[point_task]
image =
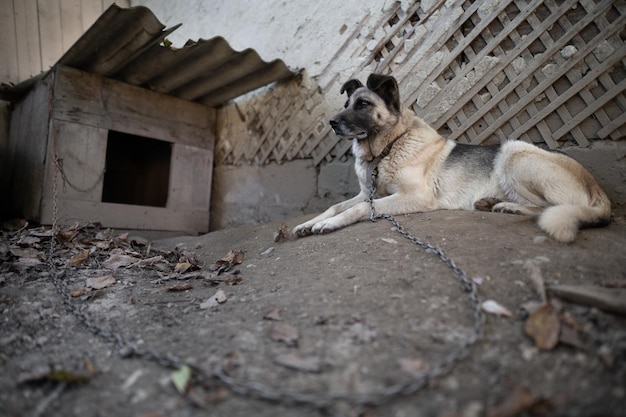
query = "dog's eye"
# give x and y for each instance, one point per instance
(345, 106)
(360, 104)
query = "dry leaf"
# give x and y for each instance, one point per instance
(98, 283)
(80, 292)
(117, 260)
(179, 287)
(293, 361)
(232, 258)
(281, 234)
(79, 258)
(286, 333)
(218, 298)
(182, 267)
(543, 327)
(493, 307)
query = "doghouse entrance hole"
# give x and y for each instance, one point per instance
(137, 170)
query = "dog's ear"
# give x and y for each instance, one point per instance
(350, 87)
(386, 87)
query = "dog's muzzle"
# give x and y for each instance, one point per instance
(341, 130)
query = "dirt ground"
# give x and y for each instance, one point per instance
(353, 312)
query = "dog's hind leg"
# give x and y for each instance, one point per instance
(515, 208)
(553, 187)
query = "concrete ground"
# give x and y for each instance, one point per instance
(354, 312)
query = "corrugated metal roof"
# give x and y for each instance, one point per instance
(128, 45)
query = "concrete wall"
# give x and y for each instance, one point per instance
(251, 194)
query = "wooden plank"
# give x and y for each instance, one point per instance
(51, 32)
(28, 43)
(504, 62)
(191, 172)
(460, 47)
(614, 125)
(553, 77)
(86, 98)
(126, 216)
(591, 75)
(27, 151)
(591, 108)
(82, 150)
(9, 70)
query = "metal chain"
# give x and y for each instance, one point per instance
(58, 162)
(257, 390)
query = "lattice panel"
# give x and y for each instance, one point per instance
(550, 72)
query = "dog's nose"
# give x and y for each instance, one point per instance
(333, 123)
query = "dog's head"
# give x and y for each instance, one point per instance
(370, 110)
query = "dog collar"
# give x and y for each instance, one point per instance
(372, 168)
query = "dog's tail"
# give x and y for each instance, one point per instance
(563, 221)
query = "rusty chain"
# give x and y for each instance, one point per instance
(252, 389)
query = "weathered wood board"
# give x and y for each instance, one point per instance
(67, 118)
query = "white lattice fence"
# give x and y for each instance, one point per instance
(479, 72)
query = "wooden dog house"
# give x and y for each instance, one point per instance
(122, 129)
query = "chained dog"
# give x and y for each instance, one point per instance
(418, 170)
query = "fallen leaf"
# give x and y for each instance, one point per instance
(179, 287)
(389, 240)
(79, 258)
(181, 378)
(182, 267)
(273, 314)
(232, 258)
(286, 333)
(413, 366)
(299, 363)
(155, 261)
(218, 298)
(281, 234)
(543, 327)
(117, 260)
(80, 292)
(98, 283)
(493, 307)
(25, 253)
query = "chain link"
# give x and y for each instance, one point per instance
(252, 389)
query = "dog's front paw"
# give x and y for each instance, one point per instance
(325, 226)
(302, 230)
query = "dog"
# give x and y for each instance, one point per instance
(421, 171)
